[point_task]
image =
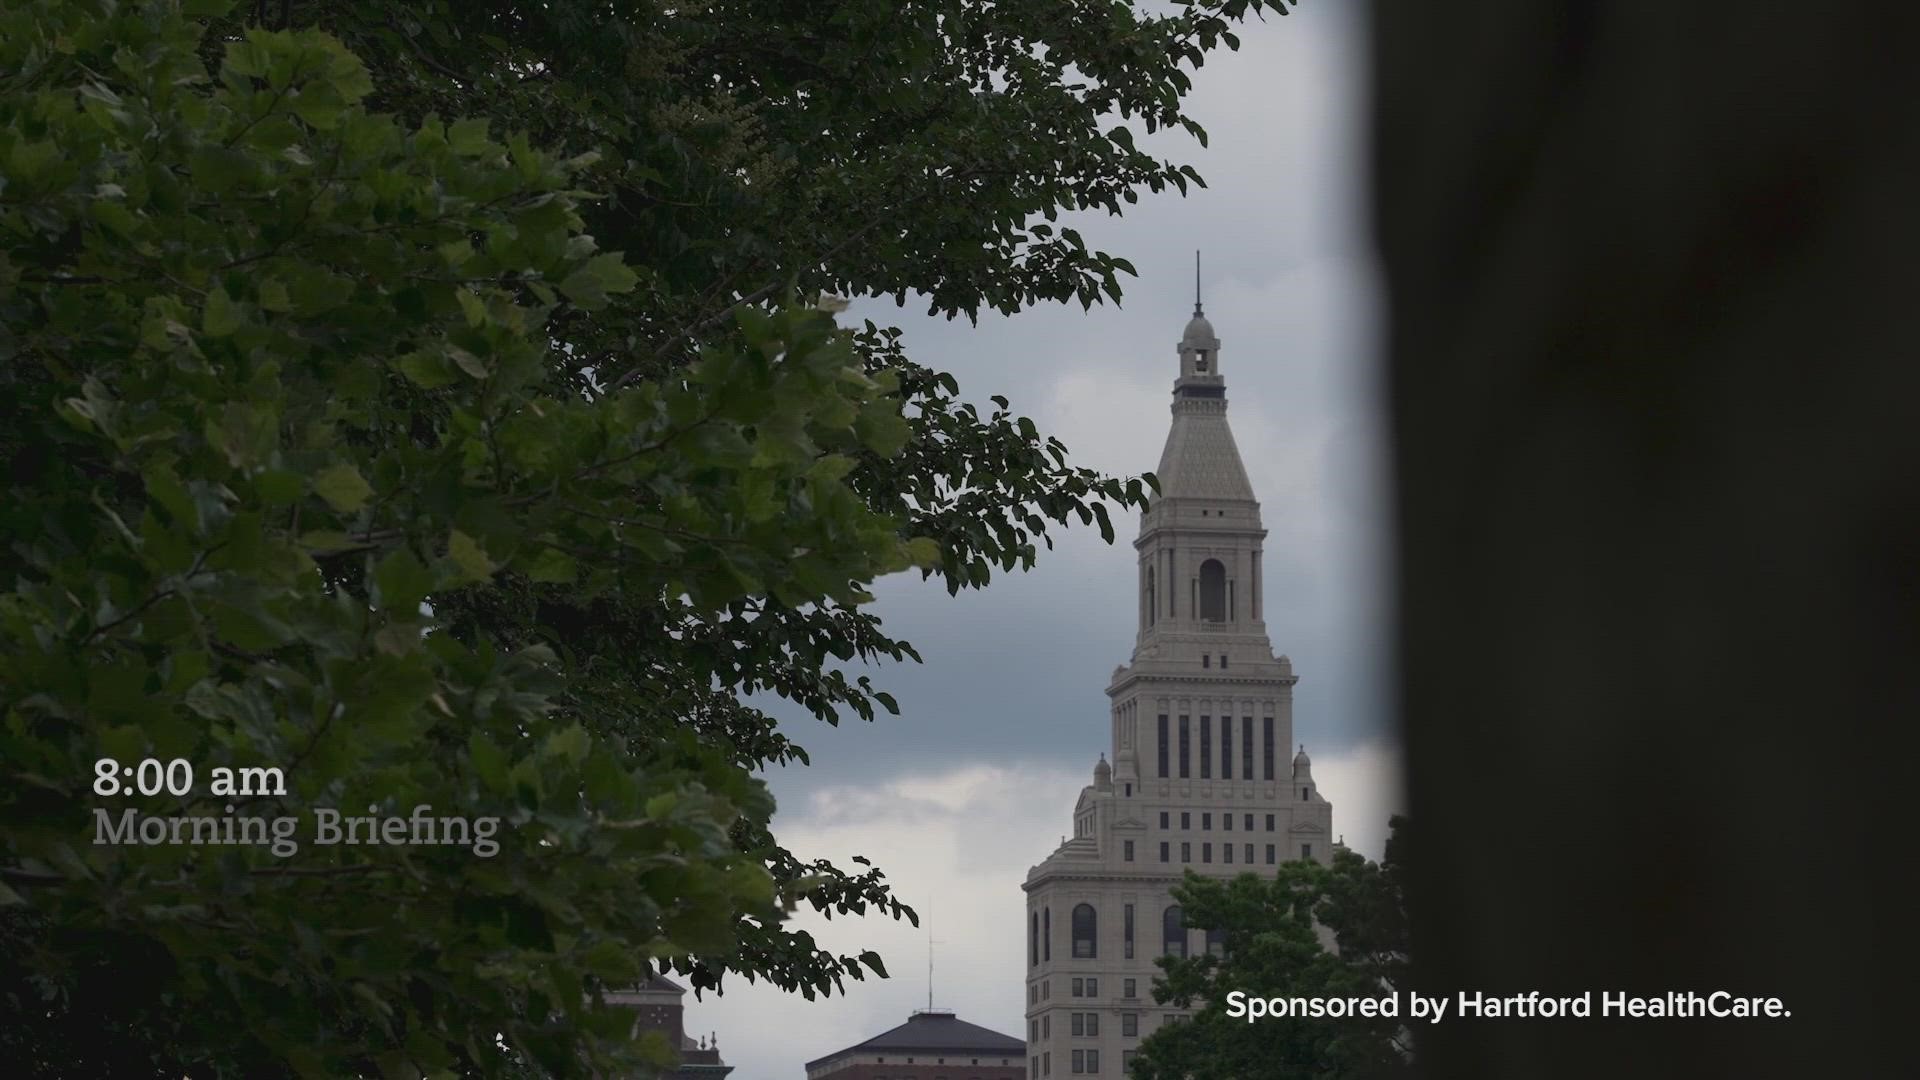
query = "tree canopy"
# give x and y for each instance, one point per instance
(1274, 934)
(428, 399)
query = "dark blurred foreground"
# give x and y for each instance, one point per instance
(1655, 376)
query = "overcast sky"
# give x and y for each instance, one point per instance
(975, 782)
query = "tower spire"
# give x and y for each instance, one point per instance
(1196, 281)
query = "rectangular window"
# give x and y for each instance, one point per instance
(1269, 822)
(1093, 1025)
(1226, 852)
(1077, 984)
(1206, 748)
(1184, 748)
(1226, 822)
(1186, 820)
(1046, 989)
(1163, 747)
(1046, 1026)
(1036, 1065)
(1127, 986)
(1033, 1032)
(1163, 819)
(1079, 1061)
(1306, 851)
(1226, 742)
(1130, 1024)
(1246, 748)
(1127, 851)
(1249, 822)
(1126, 1060)
(1127, 920)
(1093, 987)
(1163, 851)
(1093, 1061)
(1206, 852)
(1079, 1026)
(1249, 854)
(1046, 1063)
(1266, 759)
(1186, 852)
(1269, 854)
(1206, 821)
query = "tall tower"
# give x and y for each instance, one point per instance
(1201, 725)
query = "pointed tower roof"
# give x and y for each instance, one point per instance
(1200, 459)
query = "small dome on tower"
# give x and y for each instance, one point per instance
(1301, 760)
(1103, 774)
(1198, 332)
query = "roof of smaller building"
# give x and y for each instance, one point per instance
(935, 1032)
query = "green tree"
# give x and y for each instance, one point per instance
(1272, 933)
(485, 464)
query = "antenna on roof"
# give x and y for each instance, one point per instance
(1196, 281)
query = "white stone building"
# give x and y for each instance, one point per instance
(1201, 778)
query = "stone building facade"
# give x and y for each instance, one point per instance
(1200, 777)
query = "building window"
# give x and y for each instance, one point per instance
(1249, 822)
(1083, 932)
(1186, 852)
(1206, 821)
(1163, 819)
(1129, 790)
(1269, 822)
(1130, 1025)
(1046, 989)
(1079, 1061)
(1046, 934)
(1033, 1032)
(1303, 794)
(1226, 822)
(1186, 820)
(1163, 746)
(1246, 748)
(1206, 661)
(1269, 854)
(1216, 943)
(1093, 987)
(1184, 773)
(1126, 1060)
(1226, 852)
(1213, 591)
(1127, 986)
(1079, 1026)
(1093, 1061)
(1206, 853)
(1223, 660)
(1163, 850)
(1206, 748)
(1046, 1026)
(1093, 1025)
(1226, 741)
(1033, 947)
(1266, 730)
(1249, 854)
(1306, 851)
(1127, 920)
(1046, 1063)
(1075, 989)
(1126, 849)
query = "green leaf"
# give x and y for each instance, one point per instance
(590, 285)
(222, 316)
(553, 566)
(404, 582)
(469, 557)
(342, 486)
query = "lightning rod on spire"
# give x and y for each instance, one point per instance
(1196, 281)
